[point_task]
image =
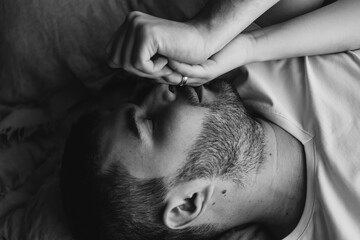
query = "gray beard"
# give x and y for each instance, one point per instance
(230, 145)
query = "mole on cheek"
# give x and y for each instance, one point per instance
(223, 191)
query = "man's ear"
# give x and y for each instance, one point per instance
(186, 203)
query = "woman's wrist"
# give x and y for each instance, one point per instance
(255, 52)
(239, 52)
(244, 49)
(208, 32)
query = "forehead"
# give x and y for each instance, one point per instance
(166, 154)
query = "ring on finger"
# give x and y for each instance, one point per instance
(183, 81)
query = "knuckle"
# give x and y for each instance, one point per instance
(134, 19)
(207, 74)
(165, 79)
(138, 64)
(171, 79)
(133, 15)
(128, 18)
(144, 29)
(175, 67)
(134, 24)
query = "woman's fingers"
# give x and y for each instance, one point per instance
(197, 74)
(115, 46)
(204, 70)
(176, 78)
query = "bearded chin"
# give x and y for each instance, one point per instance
(230, 145)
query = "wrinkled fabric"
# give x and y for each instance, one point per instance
(50, 47)
(52, 59)
(47, 45)
(30, 199)
(316, 99)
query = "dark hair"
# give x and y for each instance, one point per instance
(112, 204)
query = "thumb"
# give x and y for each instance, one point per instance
(159, 62)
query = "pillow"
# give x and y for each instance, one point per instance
(30, 200)
(48, 46)
(52, 57)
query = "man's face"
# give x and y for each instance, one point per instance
(153, 134)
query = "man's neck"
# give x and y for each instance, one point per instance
(274, 196)
(286, 175)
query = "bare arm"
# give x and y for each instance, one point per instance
(330, 29)
(144, 43)
(220, 21)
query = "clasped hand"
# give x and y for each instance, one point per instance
(166, 50)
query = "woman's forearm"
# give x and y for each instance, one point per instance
(330, 29)
(333, 28)
(220, 21)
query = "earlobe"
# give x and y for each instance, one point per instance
(184, 207)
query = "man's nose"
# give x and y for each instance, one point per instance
(161, 95)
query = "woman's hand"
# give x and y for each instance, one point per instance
(144, 43)
(237, 53)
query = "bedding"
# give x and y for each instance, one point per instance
(31, 206)
(52, 67)
(52, 58)
(30, 160)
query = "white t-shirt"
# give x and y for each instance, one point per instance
(317, 100)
